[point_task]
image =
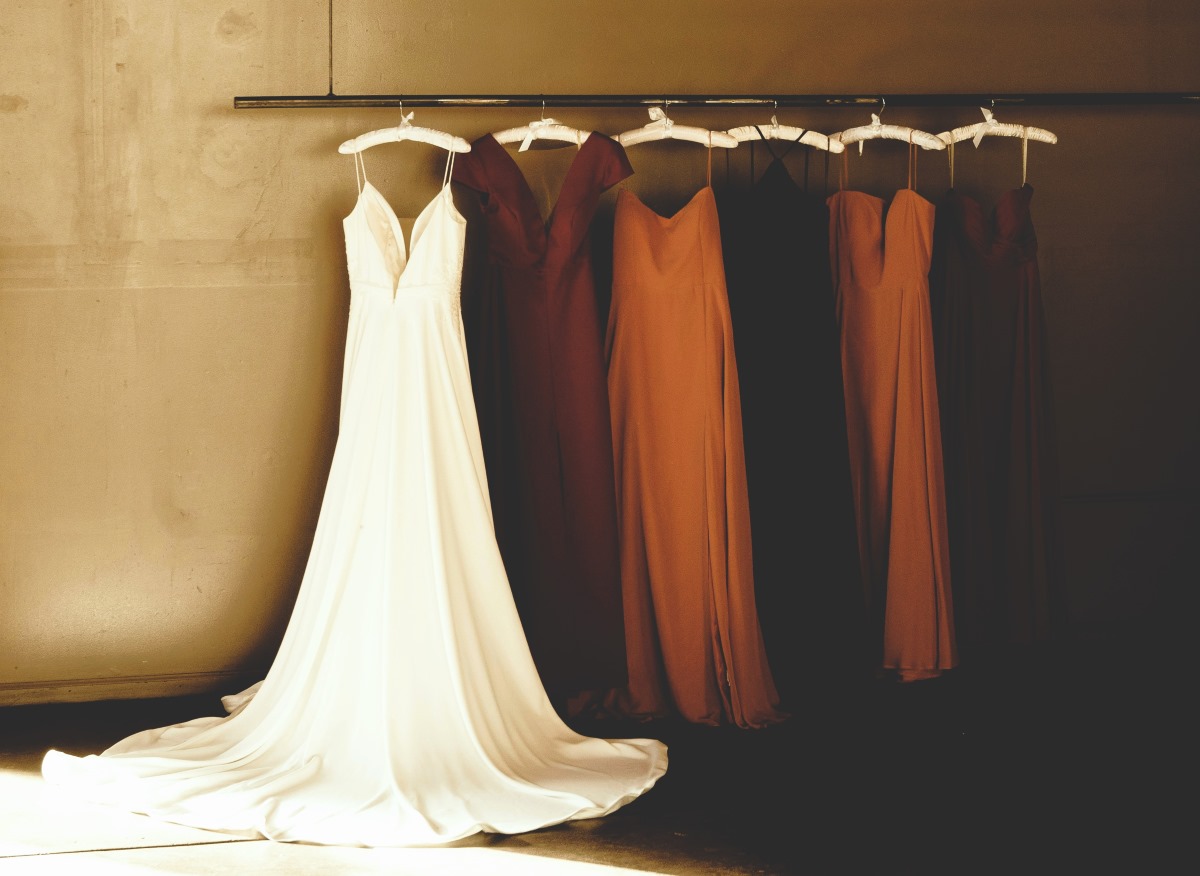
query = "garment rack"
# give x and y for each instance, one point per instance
(546, 101)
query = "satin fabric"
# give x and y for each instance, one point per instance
(881, 275)
(997, 425)
(695, 647)
(534, 338)
(403, 707)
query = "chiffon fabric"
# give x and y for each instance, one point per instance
(403, 707)
(535, 342)
(997, 428)
(809, 590)
(881, 274)
(695, 648)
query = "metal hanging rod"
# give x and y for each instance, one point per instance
(1085, 98)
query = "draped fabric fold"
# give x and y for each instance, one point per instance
(403, 706)
(693, 636)
(535, 342)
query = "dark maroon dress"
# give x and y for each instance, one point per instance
(535, 343)
(997, 428)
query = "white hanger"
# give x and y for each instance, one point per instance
(879, 131)
(990, 127)
(541, 129)
(776, 131)
(662, 127)
(406, 130)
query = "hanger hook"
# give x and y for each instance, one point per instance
(882, 104)
(405, 121)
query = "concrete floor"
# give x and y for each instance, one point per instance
(1056, 767)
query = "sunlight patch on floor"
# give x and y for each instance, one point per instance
(36, 819)
(290, 859)
(44, 831)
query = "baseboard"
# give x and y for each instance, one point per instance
(129, 687)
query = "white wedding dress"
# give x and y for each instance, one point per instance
(403, 707)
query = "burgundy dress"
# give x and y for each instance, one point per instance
(1000, 461)
(535, 345)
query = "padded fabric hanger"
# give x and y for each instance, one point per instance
(663, 127)
(776, 131)
(879, 131)
(990, 127)
(541, 129)
(406, 130)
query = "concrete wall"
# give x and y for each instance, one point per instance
(173, 297)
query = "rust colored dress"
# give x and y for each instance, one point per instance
(535, 343)
(997, 430)
(694, 644)
(881, 274)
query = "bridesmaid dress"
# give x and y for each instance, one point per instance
(775, 240)
(1001, 465)
(535, 342)
(695, 647)
(881, 274)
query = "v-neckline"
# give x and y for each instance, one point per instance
(778, 169)
(405, 247)
(525, 191)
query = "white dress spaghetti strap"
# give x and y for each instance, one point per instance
(403, 707)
